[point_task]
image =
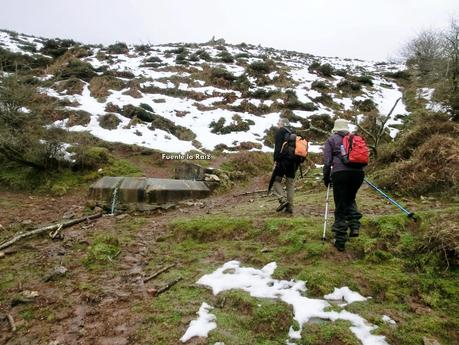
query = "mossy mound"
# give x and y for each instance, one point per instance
(432, 168)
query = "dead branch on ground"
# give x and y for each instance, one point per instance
(54, 227)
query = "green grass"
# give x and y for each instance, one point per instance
(376, 266)
(102, 252)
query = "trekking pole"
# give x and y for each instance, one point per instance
(392, 201)
(326, 212)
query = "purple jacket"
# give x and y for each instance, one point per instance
(332, 155)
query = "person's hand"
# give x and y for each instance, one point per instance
(327, 181)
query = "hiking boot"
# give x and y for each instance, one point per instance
(289, 209)
(354, 233)
(282, 205)
(338, 245)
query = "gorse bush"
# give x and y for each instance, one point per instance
(182, 58)
(109, 121)
(118, 48)
(77, 69)
(325, 70)
(23, 137)
(132, 111)
(349, 86)
(425, 125)
(91, 157)
(423, 159)
(100, 86)
(237, 125)
(203, 55)
(226, 57)
(56, 47)
(77, 118)
(153, 61)
(260, 67)
(146, 107)
(23, 64)
(404, 75)
(428, 165)
(72, 86)
(319, 85)
(364, 79)
(291, 102)
(263, 94)
(366, 105)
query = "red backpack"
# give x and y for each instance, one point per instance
(354, 150)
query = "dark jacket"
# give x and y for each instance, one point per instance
(332, 155)
(279, 139)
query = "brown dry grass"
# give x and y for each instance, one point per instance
(100, 86)
(433, 168)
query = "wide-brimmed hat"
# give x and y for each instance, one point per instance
(283, 122)
(341, 125)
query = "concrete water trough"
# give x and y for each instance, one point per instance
(145, 193)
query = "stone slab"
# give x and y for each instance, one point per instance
(139, 190)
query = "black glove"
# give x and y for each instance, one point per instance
(327, 181)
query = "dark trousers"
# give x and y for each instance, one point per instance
(286, 167)
(345, 187)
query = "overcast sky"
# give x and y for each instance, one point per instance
(366, 29)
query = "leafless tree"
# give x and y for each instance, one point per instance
(376, 128)
(451, 41)
(425, 51)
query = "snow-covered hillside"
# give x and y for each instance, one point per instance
(182, 97)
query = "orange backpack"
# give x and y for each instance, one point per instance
(301, 147)
(295, 147)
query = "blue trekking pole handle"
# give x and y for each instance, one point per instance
(404, 210)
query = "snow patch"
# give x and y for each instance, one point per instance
(425, 93)
(345, 294)
(388, 320)
(259, 283)
(202, 325)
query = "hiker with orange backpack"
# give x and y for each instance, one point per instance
(345, 156)
(290, 151)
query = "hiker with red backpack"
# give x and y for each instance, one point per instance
(290, 150)
(345, 156)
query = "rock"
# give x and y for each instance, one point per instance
(56, 273)
(26, 222)
(152, 291)
(30, 294)
(2, 255)
(211, 178)
(121, 216)
(24, 298)
(69, 215)
(430, 341)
